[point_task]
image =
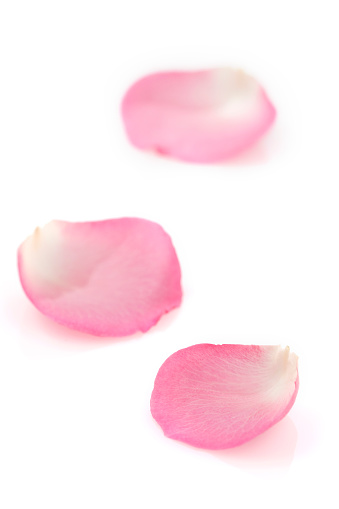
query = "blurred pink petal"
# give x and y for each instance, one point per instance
(202, 116)
(107, 278)
(219, 396)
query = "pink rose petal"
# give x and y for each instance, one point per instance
(202, 116)
(219, 396)
(107, 278)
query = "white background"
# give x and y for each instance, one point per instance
(257, 239)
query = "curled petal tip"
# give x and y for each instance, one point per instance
(106, 278)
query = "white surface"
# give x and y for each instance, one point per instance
(257, 240)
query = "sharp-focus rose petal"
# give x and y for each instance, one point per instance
(219, 396)
(203, 116)
(107, 278)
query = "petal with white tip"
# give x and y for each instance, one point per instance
(202, 116)
(220, 396)
(106, 278)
